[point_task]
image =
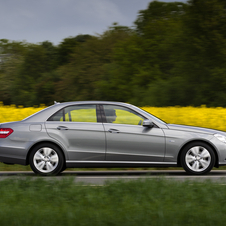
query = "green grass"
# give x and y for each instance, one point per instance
(5, 167)
(157, 202)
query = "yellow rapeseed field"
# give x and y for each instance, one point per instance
(12, 113)
(214, 118)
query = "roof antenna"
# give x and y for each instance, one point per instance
(55, 102)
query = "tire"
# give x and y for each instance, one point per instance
(63, 168)
(198, 158)
(46, 159)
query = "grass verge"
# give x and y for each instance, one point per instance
(5, 167)
(143, 202)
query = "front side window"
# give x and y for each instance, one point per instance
(76, 113)
(122, 115)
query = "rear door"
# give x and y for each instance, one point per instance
(80, 130)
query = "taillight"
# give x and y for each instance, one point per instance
(5, 132)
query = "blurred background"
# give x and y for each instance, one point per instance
(168, 55)
(173, 54)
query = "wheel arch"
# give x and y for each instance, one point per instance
(202, 141)
(40, 142)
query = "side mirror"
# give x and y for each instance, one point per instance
(148, 123)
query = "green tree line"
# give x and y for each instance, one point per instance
(175, 54)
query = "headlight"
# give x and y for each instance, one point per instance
(220, 137)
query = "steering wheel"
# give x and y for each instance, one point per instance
(140, 122)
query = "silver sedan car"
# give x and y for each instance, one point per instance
(107, 134)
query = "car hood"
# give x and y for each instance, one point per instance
(194, 129)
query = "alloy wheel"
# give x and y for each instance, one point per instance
(46, 160)
(198, 158)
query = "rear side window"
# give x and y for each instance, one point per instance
(76, 113)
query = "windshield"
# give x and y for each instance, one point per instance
(152, 116)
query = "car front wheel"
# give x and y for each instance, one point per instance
(46, 159)
(198, 158)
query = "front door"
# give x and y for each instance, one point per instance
(128, 140)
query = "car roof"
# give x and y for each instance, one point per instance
(92, 102)
(44, 114)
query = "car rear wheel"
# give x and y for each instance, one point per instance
(198, 158)
(46, 159)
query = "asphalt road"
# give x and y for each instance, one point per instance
(100, 177)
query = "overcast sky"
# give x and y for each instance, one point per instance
(53, 20)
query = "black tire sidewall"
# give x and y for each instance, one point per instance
(60, 156)
(201, 144)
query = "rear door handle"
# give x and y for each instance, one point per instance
(113, 131)
(62, 128)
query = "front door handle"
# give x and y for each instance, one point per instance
(62, 128)
(113, 131)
